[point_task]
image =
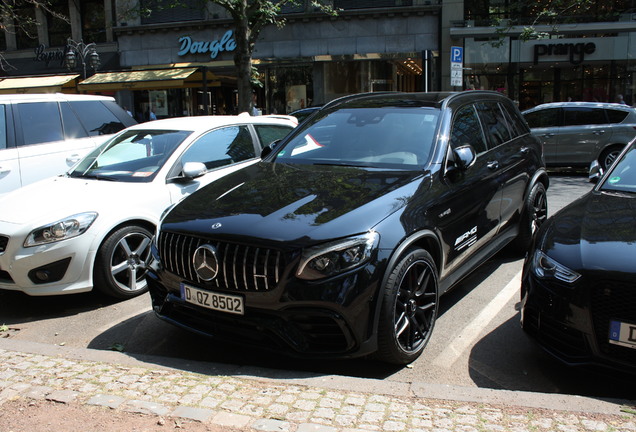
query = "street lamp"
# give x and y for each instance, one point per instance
(85, 53)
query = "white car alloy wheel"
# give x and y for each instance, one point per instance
(120, 266)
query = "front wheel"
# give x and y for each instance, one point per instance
(409, 308)
(120, 266)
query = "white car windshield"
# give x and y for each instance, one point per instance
(384, 137)
(133, 156)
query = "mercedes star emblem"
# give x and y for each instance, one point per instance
(205, 262)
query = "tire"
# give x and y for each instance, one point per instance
(609, 156)
(535, 213)
(120, 265)
(409, 308)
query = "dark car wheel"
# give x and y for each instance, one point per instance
(120, 266)
(535, 213)
(608, 157)
(409, 308)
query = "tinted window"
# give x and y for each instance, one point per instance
(97, 119)
(270, 133)
(466, 129)
(577, 116)
(515, 121)
(3, 127)
(543, 118)
(616, 116)
(495, 125)
(72, 126)
(40, 122)
(221, 147)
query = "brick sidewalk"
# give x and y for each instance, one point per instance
(272, 405)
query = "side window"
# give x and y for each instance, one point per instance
(270, 133)
(515, 121)
(466, 129)
(3, 127)
(578, 116)
(616, 116)
(40, 122)
(97, 119)
(543, 118)
(221, 147)
(495, 125)
(72, 126)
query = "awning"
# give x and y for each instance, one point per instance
(146, 79)
(37, 84)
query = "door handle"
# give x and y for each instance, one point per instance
(4, 170)
(547, 135)
(493, 165)
(525, 150)
(599, 132)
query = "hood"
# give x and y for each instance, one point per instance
(596, 232)
(58, 197)
(298, 204)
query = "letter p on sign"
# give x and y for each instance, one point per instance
(457, 54)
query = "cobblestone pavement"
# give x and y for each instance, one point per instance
(250, 402)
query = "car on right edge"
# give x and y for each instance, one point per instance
(578, 291)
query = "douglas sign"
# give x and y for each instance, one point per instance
(574, 51)
(189, 46)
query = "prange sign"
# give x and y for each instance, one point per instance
(189, 46)
(575, 52)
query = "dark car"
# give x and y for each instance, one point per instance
(303, 113)
(340, 242)
(579, 281)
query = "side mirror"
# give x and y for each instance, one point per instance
(465, 156)
(193, 169)
(595, 172)
(268, 149)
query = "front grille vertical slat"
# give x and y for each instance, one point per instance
(241, 268)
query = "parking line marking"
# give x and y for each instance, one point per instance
(471, 332)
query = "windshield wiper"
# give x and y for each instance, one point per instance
(97, 177)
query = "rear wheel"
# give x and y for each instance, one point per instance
(409, 308)
(535, 213)
(608, 157)
(120, 266)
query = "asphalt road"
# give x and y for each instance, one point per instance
(477, 340)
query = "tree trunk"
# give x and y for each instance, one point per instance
(243, 63)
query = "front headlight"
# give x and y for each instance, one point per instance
(336, 257)
(546, 267)
(62, 229)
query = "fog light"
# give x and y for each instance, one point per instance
(42, 275)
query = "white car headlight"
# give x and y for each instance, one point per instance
(332, 258)
(546, 267)
(62, 229)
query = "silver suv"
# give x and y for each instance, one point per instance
(577, 133)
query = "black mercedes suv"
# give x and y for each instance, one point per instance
(341, 240)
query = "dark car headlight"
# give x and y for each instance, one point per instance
(545, 267)
(336, 257)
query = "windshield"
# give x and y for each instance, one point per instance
(134, 156)
(623, 177)
(384, 137)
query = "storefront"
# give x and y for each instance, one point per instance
(300, 65)
(598, 67)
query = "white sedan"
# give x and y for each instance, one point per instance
(92, 226)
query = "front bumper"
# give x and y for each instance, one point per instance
(572, 322)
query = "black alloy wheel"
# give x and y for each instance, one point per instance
(409, 308)
(534, 215)
(121, 263)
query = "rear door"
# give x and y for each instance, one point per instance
(9, 162)
(584, 131)
(545, 125)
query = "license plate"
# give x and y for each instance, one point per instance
(212, 300)
(623, 334)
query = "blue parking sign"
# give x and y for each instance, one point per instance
(457, 54)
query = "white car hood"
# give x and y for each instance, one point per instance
(59, 197)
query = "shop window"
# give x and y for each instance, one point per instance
(164, 11)
(59, 29)
(93, 21)
(369, 4)
(26, 34)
